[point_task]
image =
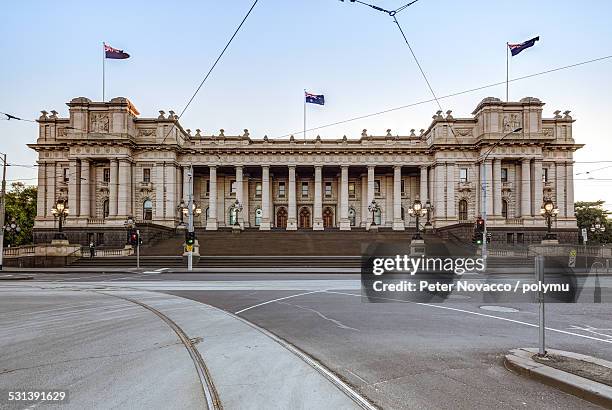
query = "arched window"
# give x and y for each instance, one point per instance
(463, 210)
(105, 209)
(258, 215)
(505, 208)
(147, 210)
(281, 217)
(351, 216)
(232, 216)
(378, 217)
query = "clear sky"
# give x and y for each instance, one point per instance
(51, 52)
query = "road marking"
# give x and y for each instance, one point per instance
(276, 300)
(482, 314)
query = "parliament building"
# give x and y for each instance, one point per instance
(108, 164)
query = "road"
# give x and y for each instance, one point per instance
(397, 355)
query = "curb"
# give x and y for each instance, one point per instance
(15, 277)
(521, 362)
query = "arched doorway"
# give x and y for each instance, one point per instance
(281, 218)
(504, 210)
(351, 216)
(328, 218)
(463, 210)
(304, 221)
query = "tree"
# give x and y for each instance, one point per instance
(20, 211)
(586, 215)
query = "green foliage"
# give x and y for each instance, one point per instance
(586, 215)
(20, 210)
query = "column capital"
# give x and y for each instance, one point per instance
(397, 167)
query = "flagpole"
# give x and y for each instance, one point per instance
(304, 99)
(103, 70)
(507, 48)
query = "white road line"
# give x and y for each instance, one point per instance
(484, 315)
(276, 300)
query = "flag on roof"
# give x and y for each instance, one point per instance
(315, 99)
(114, 53)
(517, 48)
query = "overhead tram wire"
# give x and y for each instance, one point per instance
(455, 94)
(211, 69)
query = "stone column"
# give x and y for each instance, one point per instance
(211, 223)
(73, 189)
(371, 175)
(171, 188)
(159, 191)
(364, 200)
(50, 188)
(245, 198)
(497, 191)
(423, 196)
(317, 224)
(125, 188)
(85, 188)
(439, 184)
(292, 211)
(451, 203)
(345, 224)
(239, 195)
(526, 188)
(41, 192)
(560, 188)
(265, 198)
(113, 188)
(488, 169)
(569, 190)
(185, 195)
(537, 187)
(398, 223)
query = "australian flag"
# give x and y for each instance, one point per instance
(517, 48)
(114, 53)
(315, 99)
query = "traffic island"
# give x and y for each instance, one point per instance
(583, 376)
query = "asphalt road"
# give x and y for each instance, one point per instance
(399, 355)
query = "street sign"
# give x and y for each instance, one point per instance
(584, 235)
(572, 259)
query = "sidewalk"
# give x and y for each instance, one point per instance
(584, 376)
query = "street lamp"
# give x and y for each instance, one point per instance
(549, 211)
(373, 207)
(12, 227)
(60, 211)
(429, 210)
(417, 211)
(196, 211)
(237, 209)
(597, 227)
(484, 191)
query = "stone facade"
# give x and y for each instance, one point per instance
(110, 164)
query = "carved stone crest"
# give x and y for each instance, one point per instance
(99, 122)
(512, 121)
(147, 132)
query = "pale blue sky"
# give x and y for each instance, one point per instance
(354, 55)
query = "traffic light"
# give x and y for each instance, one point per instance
(477, 239)
(133, 240)
(480, 225)
(190, 238)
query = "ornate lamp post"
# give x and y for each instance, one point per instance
(417, 210)
(548, 211)
(12, 228)
(597, 227)
(185, 210)
(60, 211)
(374, 208)
(237, 209)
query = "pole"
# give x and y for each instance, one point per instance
(137, 249)
(103, 71)
(2, 198)
(304, 97)
(507, 71)
(484, 211)
(539, 276)
(190, 213)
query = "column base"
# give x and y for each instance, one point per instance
(372, 228)
(345, 225)
(265, 226)
(211, 224)
(317, 226)
(398, 225)
(291, 225)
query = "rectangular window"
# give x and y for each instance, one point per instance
(377, 187)
(351, 189)
(100, 238)
(67, 175)
(258, 190)
(106, 175)
(281, 189)
(463, 175)
(510, 238)
(520, 238)
(402, 187)
(146, 175)
(328, 190)
(544, 174)
(304, 189)
(504, 175)
(233, 187)
(207, 187)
